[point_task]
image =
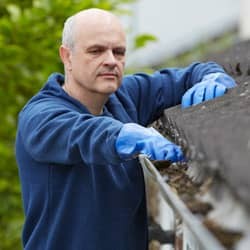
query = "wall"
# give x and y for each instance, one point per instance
(178, 25)
(244, 20)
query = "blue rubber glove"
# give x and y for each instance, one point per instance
(212, 85)
(134, 139)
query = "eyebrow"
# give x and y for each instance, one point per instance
(103, 46)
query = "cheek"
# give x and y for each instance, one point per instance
(85, 67)
(121, 66)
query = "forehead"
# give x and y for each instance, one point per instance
(106, 31)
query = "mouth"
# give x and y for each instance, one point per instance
(108, 75)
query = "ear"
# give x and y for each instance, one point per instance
(65, 55)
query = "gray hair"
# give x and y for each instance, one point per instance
(68, 32)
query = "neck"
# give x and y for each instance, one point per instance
(94, 102)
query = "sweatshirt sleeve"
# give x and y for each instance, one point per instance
(52, 133)
(151, 94)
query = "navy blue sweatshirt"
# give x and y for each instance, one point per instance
(77, 193)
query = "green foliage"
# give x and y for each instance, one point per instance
(143, 39)
(30, 34)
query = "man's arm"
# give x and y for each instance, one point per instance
(52, 133)
(151, 94)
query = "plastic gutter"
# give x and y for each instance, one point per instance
(203, 236)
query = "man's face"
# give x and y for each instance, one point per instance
(98, 58)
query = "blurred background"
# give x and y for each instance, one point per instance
(160, 33)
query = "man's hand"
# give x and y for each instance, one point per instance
(212, 85)
(134, 139)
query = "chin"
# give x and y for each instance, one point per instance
(111, 88)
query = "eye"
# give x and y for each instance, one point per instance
(95, 51)
(119, 52)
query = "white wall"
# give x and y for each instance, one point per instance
(244, 21)
(178, 25)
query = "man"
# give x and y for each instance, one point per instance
(79, 137)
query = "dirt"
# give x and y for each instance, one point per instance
(188, 191)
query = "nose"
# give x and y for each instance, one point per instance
(110, 59)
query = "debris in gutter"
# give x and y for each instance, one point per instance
(190, 193)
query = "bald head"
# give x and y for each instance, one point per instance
(85, 21)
